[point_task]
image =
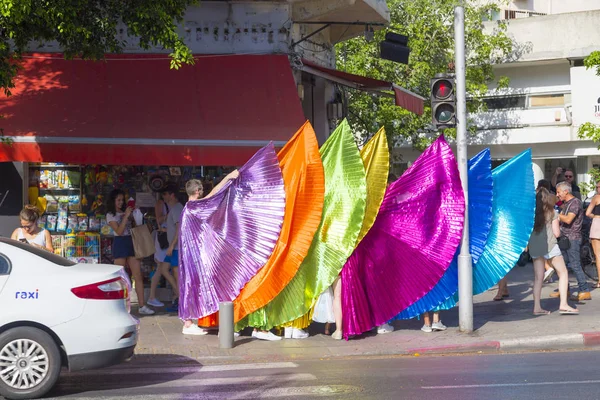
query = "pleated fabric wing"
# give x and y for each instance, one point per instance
(513, 217)
(376, 159)
(304, 182)
(480, 223)
(411, 244)
(341, 222)
(227, 238)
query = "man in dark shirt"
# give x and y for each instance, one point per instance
(569, 177)
(571, 220)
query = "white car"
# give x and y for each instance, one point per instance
(55, 313)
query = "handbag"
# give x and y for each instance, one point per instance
(163, 240)
(143, 245)
(563, 242)
(523, 259)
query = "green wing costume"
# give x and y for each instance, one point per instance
(336, 237)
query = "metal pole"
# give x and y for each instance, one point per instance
(226, 325)
(465, 264)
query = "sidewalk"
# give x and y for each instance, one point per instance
(500, 326)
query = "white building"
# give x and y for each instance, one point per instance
(551, 93)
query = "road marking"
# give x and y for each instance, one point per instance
(260, 393)
(241, 380)
(493, 385)
(183, 370)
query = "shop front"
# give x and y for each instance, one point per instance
(80, 129)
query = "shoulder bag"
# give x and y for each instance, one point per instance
(563, 242)
(143, 245)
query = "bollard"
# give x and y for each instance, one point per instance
(226, 325)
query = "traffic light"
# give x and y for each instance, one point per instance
(394, 48)
(443, 101)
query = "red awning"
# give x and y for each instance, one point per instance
(404, 98)
(133, 109)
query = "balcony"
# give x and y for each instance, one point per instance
(552, 37)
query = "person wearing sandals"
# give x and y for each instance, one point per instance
(593, 212)
(119, 219)
(543, 246)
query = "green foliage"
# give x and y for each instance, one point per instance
(88, 28)
(590, 186)
(593, 60)
(589, 130)
(429, 26)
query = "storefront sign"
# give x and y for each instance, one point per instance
(145, 200)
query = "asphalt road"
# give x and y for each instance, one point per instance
(573, 375)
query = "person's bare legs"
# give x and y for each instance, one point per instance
(502, 289)
(154, 282)
(337, 305)
(162, 269)
(538, 279)
(176, 277)
(563, 282)
(136, 272)
(165, 271)
(426, 319)
(327, 327)
(596, 248)
(436, 317)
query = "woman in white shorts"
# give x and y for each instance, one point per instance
(544, 246)
(162, 268)
(593, 212)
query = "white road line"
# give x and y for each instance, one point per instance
(493, 385)
(242, 380)
(183, 370)
(261, 393)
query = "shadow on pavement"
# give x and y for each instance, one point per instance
(142, 370)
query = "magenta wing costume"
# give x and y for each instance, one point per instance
(411, 244)
(227, 238)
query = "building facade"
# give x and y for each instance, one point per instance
(298, 31)
(550, 94)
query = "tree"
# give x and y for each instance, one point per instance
(589, 130)
(429, 27)
(88, 28)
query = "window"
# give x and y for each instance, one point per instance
(547, 100)
(502, 103)
(46, 255)
(4, 265)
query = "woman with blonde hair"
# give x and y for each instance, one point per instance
(30, 232)
(544, 246)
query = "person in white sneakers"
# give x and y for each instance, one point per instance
(161, 211)
(173, 217)
(385, 328)
(194, 190)
(265, 335)
(437, 325)
(119, 218)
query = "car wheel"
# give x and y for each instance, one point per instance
(29, 363)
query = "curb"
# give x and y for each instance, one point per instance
(563, 342)
(571, 341)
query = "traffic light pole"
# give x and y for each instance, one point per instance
(465, 263)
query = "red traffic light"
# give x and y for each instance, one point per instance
(442, 89)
